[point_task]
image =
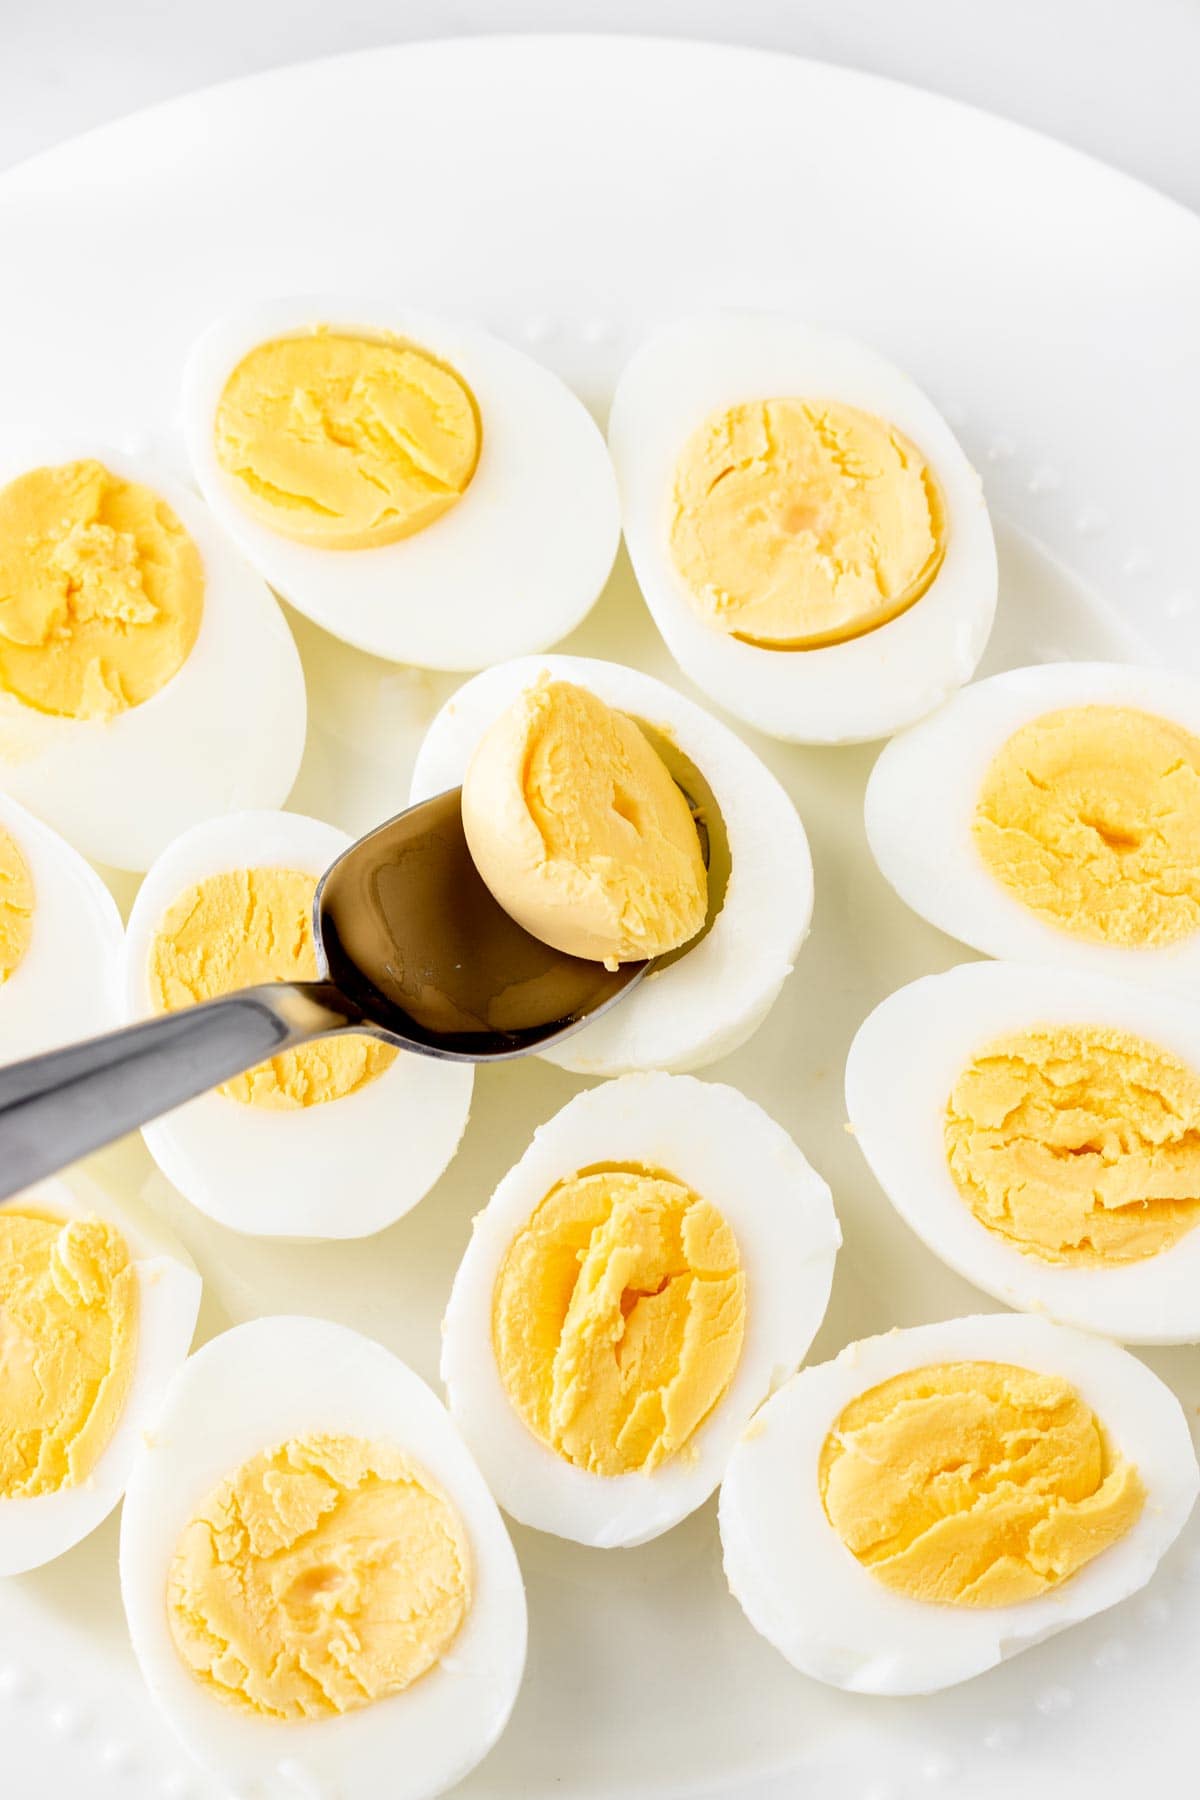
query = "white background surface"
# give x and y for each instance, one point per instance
(1115, 77)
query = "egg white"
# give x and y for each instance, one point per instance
(902, 1066)
(842, 692)
(713, 998)
(829, 1616)
(36, 1528)
(242, 1393)
(65, 985)
(513, 566)
(920, 802)
(342, 1169)
(727, 1150)
(226, 731)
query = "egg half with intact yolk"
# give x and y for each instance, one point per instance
(562, 823)
(414, 485)
(317, 1582)
(808, 534)
(1040, 1130)
(147, 677)
(935, 1500)
(336, 1139)
(98, 1308)
(1052, 815)
(60, 940)
(658, 1260)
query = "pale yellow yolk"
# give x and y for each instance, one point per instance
(321, 1575)
(578, 829)
(234, 930)
(799, 523)
(101, 591)
(618, 1318)
(1091, 818)
(1078, 1144)
(16, 906)
(348, 442)
(68, 1342)
(975, 1484)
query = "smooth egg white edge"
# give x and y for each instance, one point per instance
(921, 797)
(65, 985)
(902, 1066)
(324, 1171)
(714, 997)
(727, 1150)
(37, 1528)
(511, 567)
(248, 1390)
(841, 693)
(804, 1591)
(227, 730)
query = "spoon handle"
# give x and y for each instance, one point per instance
(59, 1106)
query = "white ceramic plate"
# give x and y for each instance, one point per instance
(583, 191)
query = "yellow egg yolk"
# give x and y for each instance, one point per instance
(618, 1317)
(1078, 1144)
(16, 906)
(101, 591)
(321, 1575)
(578, 829)
(975, 1484)
(1090, 817)
(348, 442)
(801, 523)
(246, 926)
(68, 1342)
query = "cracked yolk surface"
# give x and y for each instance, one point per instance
(68, 1343)
(101, 591)
(246, 926)
(1078, 1144)
(345, 441)
(16, 906)
(975, 1483)
(1090, 817)
(321, 1575)
(801, 523)
(618, 1317)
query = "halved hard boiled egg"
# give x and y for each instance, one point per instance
(319, 1588)
(935, 1500)
(334, 1140)
(1040, 1130)
(715, 991)
(809, 536)
(147, 677)
(60, 940)
(1052, 815)
(655, 1264)
(97, 1311)
(412, 484)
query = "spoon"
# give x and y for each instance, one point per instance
(413, 949)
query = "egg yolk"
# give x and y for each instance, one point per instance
(1090, 817)
(16, 906)
(321, 1575)
(802, 523)
(246, 926)
(1078, 1144)
(101, 591)
(618, 1317)
(975, 1484)
(578, 829)
(347, 442)
(68, 1341)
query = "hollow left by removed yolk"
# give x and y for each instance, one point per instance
(618, 1318)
